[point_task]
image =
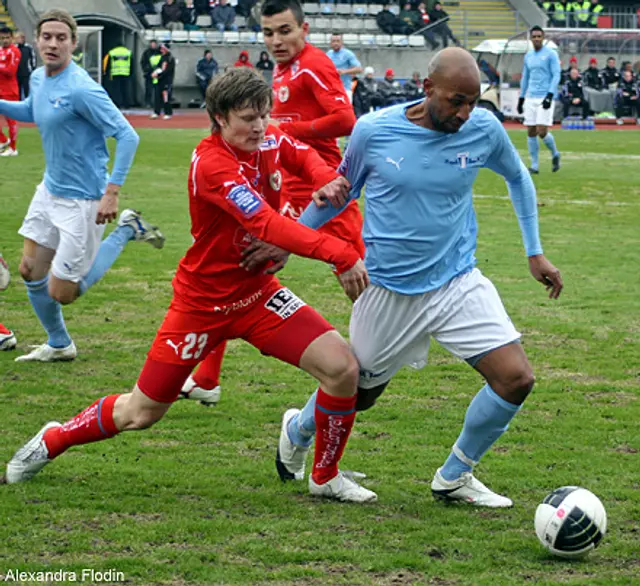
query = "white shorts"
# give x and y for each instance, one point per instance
(389, 330)
(535, 114)
(67, 226)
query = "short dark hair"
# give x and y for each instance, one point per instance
(536, 28)
(334, 34)
(611, 59)
(5, 30)
(238, 88)
(272, 7)
(207, 51)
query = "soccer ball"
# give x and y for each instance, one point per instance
(570, 522)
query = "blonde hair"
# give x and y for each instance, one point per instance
(59, 15)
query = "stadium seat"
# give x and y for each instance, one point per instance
(248, 37)
(394, 9)
(416, 41)
(149, 35)
(359, 9)
(383, 40)
(373, 9)
(154, 19)
(260, 38)
(343, 9)
(311, 20)
(318, 38)
(162, 35)
(322, 24)
(400, 41)
(351, 39)
(355, 24)
(230, 37)
(180, 36)
(204, 21)
(311, 8)
(241, 22)
(214, 37)
(367, 40)
(340, 24)
(370, 25)
(327, 8)
(197, 37)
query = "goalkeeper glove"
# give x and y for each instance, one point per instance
(520, 105)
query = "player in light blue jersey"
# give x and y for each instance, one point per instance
(63, 254)
(345, 61)
(417, 163)
(540, 79)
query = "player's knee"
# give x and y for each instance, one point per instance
(520, 385)
(343, 371)
(26, 269)
(63, 297)
(542, 132)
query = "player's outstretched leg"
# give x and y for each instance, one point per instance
(7, 339)
(204, 384)
(131, 226)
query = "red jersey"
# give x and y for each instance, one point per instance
(234, 197)
(9, 62)
(308, 88)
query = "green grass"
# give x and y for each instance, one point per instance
(195, 500)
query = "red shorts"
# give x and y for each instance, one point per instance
(273, 320)
(347, 226)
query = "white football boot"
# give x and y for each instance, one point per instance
(30, 458)
(8, 341)
(190, 390)
(467, 489)
(290, 459)
(46, 353)
(342, 488)
(4, 145)
(9, 152)
(5, 275)
(144, 232)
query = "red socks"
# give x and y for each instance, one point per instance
(93, 424)
(13, 133)
(334, 420)
(4, 330)
(208, 374)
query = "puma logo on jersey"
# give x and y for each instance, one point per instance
(176, 347)
(396, 164)
(341, 99)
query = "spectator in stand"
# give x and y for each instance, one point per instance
(592, 76)
(223, 17)
(366, 94)
(565, 74)
(559, 13)
(243, 60)
(411, 17)
(190, 16)
(389, 23)
(345, 61)
(610, 74)
(414, 88)
(627, 66)
(265, 66)
(391, 91)
(202, 7)
(171, 15)
(595, 10)
(148, 62)
(140, 10)
(627, 98)
(573, 95)
(27, 64)
(206, 68)
(424, 21)
(244, 7)
(443, 30)
(164, 75)
(149, 6)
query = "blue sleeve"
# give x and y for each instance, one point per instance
(95, 106)
(555, 73)
(353, 167)
(524, 83)
(20, 111)
(506, 161)
(353, 60)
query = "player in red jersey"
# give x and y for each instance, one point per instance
(234, 188)
(9, 62)
(310, 104)
(7, 338)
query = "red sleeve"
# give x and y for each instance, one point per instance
(231, 192)
(321, 78)
(303, 161)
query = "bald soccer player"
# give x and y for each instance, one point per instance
(420, 236)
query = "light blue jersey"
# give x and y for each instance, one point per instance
(75, 116)
(541, 73)
(344, 59)
(420, 226)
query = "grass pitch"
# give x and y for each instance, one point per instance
(196, 500)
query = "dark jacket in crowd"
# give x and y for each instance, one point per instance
(189, 15)
(264, 64)
(165, 79)
(171, 13)
(205, 69)
(592, 78)
(391, 24)
(366, 96)
(225, 15)
(574, 88)
(27, 60)
(413, 90)
(626, 87)
(610, 75)
(391, 91)
(145, 61)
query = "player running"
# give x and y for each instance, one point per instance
(311, 105)
(234, 192)
(540, 79)
(9, 62)
(63, 255)
(421, 240)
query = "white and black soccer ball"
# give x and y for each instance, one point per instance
(570, 522)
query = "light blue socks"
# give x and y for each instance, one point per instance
(534, 150)
(49, 312)
(550, 143)
(487, 418)
(302, 427)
